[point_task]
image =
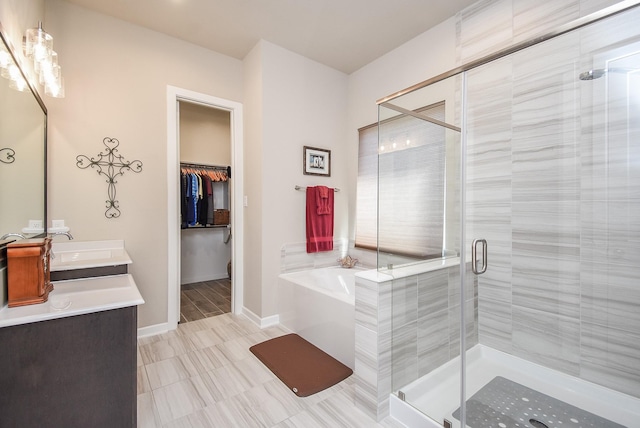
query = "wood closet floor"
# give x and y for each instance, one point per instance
(205, 299)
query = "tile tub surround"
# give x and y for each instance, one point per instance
(294, 256)
(407, 326)
(203, 375)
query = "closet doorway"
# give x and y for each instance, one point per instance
(205, 244)
(205, 227)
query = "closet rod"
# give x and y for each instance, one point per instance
(203, 166)
(335, 189)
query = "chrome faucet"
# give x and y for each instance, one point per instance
(67, 234)
(7, 235)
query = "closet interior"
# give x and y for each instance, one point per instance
(205, 215)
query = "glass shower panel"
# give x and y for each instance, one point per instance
(418, 155)
(419, 240)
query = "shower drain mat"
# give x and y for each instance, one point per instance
(505, 404)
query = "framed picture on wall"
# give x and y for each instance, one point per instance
(316, 161)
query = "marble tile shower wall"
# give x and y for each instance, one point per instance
(425, 322)
(405, 328)
(557, 205)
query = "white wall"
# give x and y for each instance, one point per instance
(253, 118)
(204, 255)
(303, 103)
(116, 77)
(205, 135)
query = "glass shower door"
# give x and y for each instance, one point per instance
(552, 183)
(547, 152)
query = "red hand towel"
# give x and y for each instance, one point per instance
(319, 226)
(322, 200)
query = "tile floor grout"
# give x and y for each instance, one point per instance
(203, 375)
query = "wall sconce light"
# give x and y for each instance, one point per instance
(38, 46)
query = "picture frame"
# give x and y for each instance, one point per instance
(316, 161)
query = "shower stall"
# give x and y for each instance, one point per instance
(532, 216)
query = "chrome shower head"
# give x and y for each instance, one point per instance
(593, 74)
(599, 72)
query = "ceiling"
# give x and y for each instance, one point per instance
(342, 34)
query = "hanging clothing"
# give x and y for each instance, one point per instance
(196, 193)
(183, 201)
(193, 201)
(203, 207)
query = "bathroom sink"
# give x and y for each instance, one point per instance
(83, 256)
(84, 259)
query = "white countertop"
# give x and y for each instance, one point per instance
(77, 297)
(88, 254)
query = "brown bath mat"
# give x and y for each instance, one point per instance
(304, 368)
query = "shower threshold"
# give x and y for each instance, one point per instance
(437, 394)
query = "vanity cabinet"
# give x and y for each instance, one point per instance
(76, 371)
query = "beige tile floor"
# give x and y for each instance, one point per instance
(203, 375)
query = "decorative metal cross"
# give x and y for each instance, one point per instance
(7, 153)
(115, 166)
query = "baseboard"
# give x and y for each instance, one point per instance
(165, 327)
(153, 330)
(261, 322)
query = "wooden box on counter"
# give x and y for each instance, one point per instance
(28, 279)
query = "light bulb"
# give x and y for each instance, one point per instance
(5, 59)
(18, 84)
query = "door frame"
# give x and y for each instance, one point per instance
(175, 95)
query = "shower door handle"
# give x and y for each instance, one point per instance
(474, 256)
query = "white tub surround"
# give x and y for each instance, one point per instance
(318, 304)
(88, 254)
(395, 341)
(77, 297)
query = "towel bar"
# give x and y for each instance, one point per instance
(335, 189)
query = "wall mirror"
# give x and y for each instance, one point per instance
(23, 150)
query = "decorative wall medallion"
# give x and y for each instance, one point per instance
(112, 165)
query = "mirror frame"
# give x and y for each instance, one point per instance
(34, 91)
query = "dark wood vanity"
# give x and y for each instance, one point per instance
(77, 371)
